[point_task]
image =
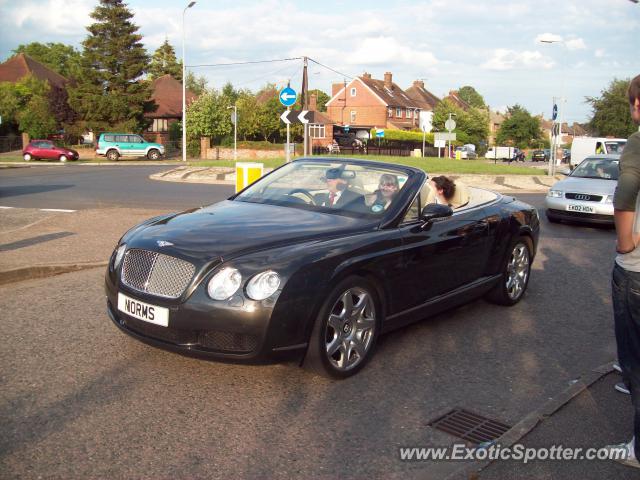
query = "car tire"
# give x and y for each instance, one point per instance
(63, 158)
(515, 273)
(113, 155)
(343, 337)
(153, 154)
(27, 157)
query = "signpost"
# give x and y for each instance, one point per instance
(288, 97)
(426, 125)
(450, 125)
(441, 138)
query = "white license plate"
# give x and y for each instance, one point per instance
(143, 311)
(580, 208)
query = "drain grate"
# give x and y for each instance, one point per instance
(469, 426)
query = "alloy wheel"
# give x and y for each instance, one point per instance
(517, 271)
(350, 329)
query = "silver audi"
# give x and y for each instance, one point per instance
(586, 195)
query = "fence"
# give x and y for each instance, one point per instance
(10, 143)
(395, 150)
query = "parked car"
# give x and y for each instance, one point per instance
(346, 140)
(467, 152)
(518, 156)
(116, 145)
(586, 195)
(47, 150)
(539, 156)
(273, 272)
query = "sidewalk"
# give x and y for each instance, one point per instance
(596, 417)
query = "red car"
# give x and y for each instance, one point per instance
(46, 149)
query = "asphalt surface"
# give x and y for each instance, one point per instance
(87, 186)
(79, 399)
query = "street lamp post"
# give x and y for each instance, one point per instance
(557, 138)
(184, 90)
(234, 120)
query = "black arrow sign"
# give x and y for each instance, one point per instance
(298, 116)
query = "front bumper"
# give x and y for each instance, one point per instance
(557, 209)
(235, 330)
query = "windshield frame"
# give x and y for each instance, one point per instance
(414, 179)
(608, 161)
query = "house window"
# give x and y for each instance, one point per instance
(353, 116)
(399, 112)
(316, 130)
(409, 113)
(353, 91)
(390, 112)
(159, 125)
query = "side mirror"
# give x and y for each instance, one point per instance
(435, 210)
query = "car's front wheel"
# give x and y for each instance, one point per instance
(346, 329)
(153, 155)
(27, 157)
(63, 158)
(516, 270)
(113, 155)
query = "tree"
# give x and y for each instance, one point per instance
(108, 90)
(471, 126)
(471, 96)
(519, 128)
(248, 124)
(208, 116)
(164, 62)
(197, 85)
(26, 105)
(59, 57)
(611, 111)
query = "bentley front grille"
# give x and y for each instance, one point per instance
(155, 273)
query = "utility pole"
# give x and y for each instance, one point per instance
(304, 100)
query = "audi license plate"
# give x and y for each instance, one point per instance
(143, 311)
(580, 208)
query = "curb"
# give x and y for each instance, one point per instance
(43, 271)
(529, 422)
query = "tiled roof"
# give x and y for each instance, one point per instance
(455, 98)
(421, 96)
(393, 96)
(167, 93)
(21, 65)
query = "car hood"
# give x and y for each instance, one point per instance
(586, 185)
(230, 228)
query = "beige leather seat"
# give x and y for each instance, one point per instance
(461, 196)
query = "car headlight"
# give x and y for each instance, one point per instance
(119, 255)
(263, 285)
(555, 193)
(609, 199)
(224, 283)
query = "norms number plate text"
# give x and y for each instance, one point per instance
(143, 311)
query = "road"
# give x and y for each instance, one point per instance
(79, 399)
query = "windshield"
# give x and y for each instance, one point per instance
(597, 168)
(332, 187)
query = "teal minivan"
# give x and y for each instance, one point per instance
(116, 145)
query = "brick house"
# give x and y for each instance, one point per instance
(167, 94)
(454, 98)
(495, 122)
(320, 126)
(422, 97)
(365, 103)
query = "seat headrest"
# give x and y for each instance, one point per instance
(461, 196)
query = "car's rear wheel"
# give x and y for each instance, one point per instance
(63, 158)
(27, 157)
(516, 271)
(346, 329)
(113, 155)
(153, 155)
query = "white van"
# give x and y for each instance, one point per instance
(583, 147)
(504, 153)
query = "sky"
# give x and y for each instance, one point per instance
(491, 45)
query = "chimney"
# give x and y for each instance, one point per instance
(387, 80)
(419, 84)
(366, 75)
(335, 88)
(313, 102)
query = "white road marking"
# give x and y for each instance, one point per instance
(57, 210)
(6, 207)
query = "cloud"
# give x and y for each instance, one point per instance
(504, 59)
(599, 53)
(548, 38)
(388, 50)
(575, 44)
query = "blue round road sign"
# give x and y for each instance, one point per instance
(288, 96)
(555, 112)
